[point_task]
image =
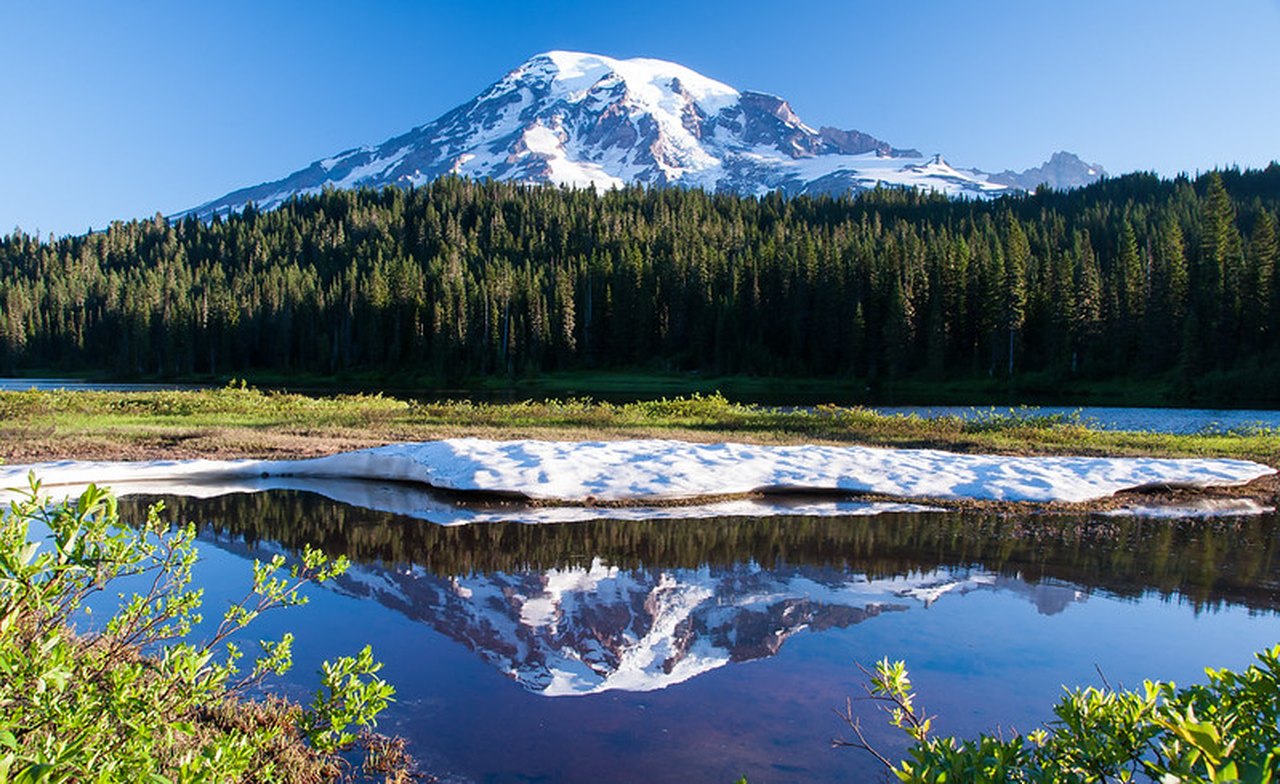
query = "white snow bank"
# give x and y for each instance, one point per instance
(657, 470)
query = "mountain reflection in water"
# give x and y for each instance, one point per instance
(640, 605)
(1205, 562)
(586, 630)
(753, 625)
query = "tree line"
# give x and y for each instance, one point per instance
(1134, 276)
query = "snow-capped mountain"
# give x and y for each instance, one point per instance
(594, 629)
(577, 119)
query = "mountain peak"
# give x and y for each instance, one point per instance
(1063, 170)
(589, 120)
(647, 78)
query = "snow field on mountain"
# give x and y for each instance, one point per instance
(561, 168)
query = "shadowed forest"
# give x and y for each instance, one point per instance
(1131, 278)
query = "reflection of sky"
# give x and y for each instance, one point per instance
(1155, 420)
(980, 659)
(995, 656)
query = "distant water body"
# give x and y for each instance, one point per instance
(74, 384)
(1152, 420)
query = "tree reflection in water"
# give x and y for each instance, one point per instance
(1205, 562)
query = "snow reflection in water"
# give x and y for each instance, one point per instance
(593, 629)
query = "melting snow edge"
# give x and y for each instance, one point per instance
(656, 470)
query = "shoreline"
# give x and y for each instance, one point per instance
(237, 423)
(628, 385)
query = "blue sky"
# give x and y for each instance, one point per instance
(122, 109)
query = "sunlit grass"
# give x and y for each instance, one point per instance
(60, 414)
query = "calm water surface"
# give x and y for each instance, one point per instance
(1155, 420)
(74, 384)
(703, 650)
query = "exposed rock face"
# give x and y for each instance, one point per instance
(857, 143)
(586, 120)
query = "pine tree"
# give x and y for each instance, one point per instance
(1167, 302)
(1263, 252)
(1014, 290)
(462, 278)
(1088, 310)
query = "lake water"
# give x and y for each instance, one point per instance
(1155, 420)
(704, 650)
(74, 384)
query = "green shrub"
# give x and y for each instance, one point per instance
(1222, 731)
(135, 699)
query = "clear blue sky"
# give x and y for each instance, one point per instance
(122, 109)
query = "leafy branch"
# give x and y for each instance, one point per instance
(1225, 730)
(134, 694)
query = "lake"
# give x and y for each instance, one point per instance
(704, 650)
(77, 385)
(1154, 420)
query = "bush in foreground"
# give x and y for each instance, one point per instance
(1225, 730)
(136, 699)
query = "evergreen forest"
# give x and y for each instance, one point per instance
(1132, 278)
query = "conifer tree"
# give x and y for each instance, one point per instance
(1260, 290)
(1014, 295)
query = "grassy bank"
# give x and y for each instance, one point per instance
(1215, 390)
(235, 421)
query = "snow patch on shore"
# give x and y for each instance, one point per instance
(666, 470)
